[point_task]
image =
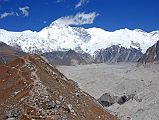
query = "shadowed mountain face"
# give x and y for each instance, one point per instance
(117, 53)
(111, 54)
(151, 55)
(68, 58)
(32, 89)
(8, 53)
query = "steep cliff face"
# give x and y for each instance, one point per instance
(68, 58)
(117, 53)
(151, 55)
(8, 53)
(32, 89)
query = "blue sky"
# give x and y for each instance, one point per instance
(19, 15)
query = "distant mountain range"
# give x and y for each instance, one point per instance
(61, 38)
(75, 45)
(68, 58)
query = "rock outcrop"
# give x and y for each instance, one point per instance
(117, 53)
(8, 53)
(151, 55)
(107, 100)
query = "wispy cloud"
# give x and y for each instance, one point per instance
(7, 14)
(78, 19)
(59, 1)
(25, 10)
(81, 3)
(3, 0)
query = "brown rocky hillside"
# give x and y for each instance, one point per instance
(31, 89)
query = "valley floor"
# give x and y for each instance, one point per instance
(118, 80)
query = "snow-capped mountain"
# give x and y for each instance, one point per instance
(56, 37)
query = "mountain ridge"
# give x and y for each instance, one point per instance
(116, 54)
(151, 55)
(68, 58)
(8, 53)
(59, 38)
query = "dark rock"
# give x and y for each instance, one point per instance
(51, 105)
(68, 58)
(125, 98)
(12, 113)
(117, 53)
(106, 100)
(151, 55)
(122, 100)
(8, 53)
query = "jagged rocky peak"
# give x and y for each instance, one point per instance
(32, 89)
(151, 55)
(117, 53)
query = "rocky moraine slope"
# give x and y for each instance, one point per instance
(32, 89)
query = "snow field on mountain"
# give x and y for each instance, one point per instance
(59, 38)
